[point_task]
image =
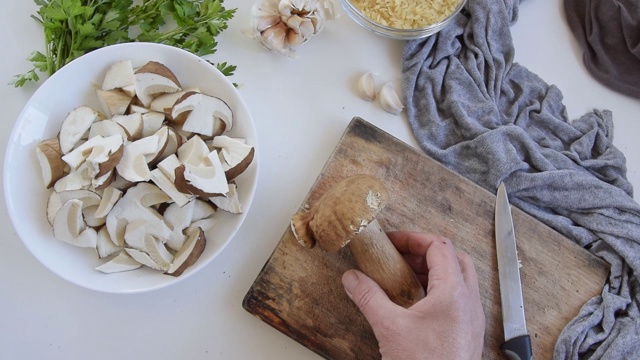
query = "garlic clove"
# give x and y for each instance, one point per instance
(367, 87)
(274, 37)
(266, 21)
(389, 99)
(294, 39)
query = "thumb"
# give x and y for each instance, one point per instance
(372, 301)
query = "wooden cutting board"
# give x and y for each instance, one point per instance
(299, 291)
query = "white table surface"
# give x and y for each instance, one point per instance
(300, 107)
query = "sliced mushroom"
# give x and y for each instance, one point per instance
(122, 262)
(104, 245)
(205, 181)
(74, 180)
(135, 205)
(346, 214)
(114, 102)
(106, 128)
(143, 258)
(133, 165)
(132, 123)
(137, 229)
(120, 76)
(158, 252)
(151, 122)
(236, 153)
(104, 147)
(162, 138)
(153, 79)
(75, 125)
(110, 196)
(168, 166)
(102, 182)
(230, 202)
(189, 253)
(180, 218)
(167, 185)
(194, 152)
(208, 115)
(88, 214)
(50, 158)
(69, 226)
(164, 103)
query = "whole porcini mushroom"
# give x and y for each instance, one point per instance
(346, 214)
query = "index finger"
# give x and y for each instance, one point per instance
(440, 255)
(413, 243)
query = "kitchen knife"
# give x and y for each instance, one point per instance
(517, 345)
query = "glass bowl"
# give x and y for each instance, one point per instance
(396, 33)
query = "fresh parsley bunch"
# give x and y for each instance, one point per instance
(73, 28)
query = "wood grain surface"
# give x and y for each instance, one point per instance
(299, 291)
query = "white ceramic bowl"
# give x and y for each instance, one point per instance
(41, 118)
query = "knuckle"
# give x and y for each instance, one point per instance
(363, 297)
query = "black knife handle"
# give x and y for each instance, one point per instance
(518, 348)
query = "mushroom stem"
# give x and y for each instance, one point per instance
(376, 256)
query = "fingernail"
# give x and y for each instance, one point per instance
(349, 281)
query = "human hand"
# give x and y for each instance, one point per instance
(448, 323)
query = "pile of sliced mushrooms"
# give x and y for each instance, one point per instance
(141, 180)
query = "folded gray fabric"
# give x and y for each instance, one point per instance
(491, 120)
(609, 34)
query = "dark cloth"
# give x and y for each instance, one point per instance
(609, 34)
(475, 110)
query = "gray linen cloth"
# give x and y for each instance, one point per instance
(609, 34)
(490, 119)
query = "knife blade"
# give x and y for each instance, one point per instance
(517, 345)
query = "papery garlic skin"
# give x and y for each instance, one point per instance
(389, 99)
(367, 87)
(282, 25)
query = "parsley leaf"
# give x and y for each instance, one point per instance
(73, 28)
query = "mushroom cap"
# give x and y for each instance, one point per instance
(341, 213)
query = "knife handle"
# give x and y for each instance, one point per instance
(518, 348)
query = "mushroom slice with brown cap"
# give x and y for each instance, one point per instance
(153, 79)
(122, 262)
(120, 76)
(180, 218)
(346, 214)
(75, 125)
(167, 185)
(50, 158)
(99, 148)
(189, 253)
(237, 155)
(207, 114)
(205, 181)
(69, 226)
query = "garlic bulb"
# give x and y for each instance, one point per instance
(389, 99)
(367, 87)
(281, 25)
